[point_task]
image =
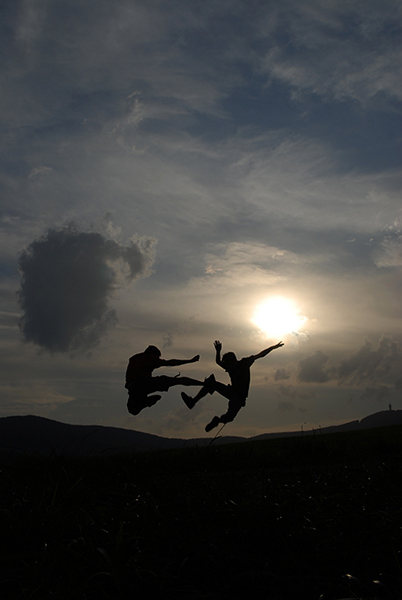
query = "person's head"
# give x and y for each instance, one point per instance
(229, 358)
(153, 350)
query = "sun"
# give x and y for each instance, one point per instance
(277, 317)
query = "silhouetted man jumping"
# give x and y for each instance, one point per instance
(237, 391)
(140, 383)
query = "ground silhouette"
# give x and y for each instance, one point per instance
(37, 435)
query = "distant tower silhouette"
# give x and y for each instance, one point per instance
(390, 406)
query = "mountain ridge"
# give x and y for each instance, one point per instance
(33, 435)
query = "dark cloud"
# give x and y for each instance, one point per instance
(281, 374)
(288, 391)
(167, 340)
(369, 364)
(67, 279)
(286, 406)
(380, 393)
(312, 368)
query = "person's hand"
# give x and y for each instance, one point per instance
(195, 358)
(218, 345)
(279, 345)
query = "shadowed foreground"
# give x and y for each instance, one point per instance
(313, 517)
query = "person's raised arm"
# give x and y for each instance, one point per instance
(268, 350)
(218, 349)
(176, 362)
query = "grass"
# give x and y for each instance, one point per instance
(315, 517)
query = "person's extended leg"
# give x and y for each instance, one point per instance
(136, 405)
(208, 387)
(185, 381)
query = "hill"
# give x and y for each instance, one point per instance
(37, 435)
(384, 418)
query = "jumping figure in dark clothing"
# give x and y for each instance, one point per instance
(140, 383)
(237, 391)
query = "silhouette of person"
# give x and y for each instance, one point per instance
(140, 383)
(237, 391)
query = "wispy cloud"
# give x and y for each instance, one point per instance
(340, 52)
(389, 254)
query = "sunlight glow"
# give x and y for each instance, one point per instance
(277, 317)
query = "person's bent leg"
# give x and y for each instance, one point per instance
(228, 417)
(214, 423)
(234, 406)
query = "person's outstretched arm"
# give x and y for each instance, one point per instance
(176, 362)
(268, 350)
(218, 348)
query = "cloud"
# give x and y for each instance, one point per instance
(285, 406)
(380, 393)
(281, 374)
(67, 279)
(390, 252)
(312, 368)
(368, 364)
(246, 264)
(230, 269)
(34, 398)
(337, 51)
(288, 391)
(167, 341)
(39, 171)
(364, 366)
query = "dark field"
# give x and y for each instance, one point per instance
(308, 517)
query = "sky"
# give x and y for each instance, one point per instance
(174, 173)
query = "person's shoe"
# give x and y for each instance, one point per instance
(188, 400)
(214, 423)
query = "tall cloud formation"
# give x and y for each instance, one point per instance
(67, 279)
(372, 365)
(312, 368)
(367, 365)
